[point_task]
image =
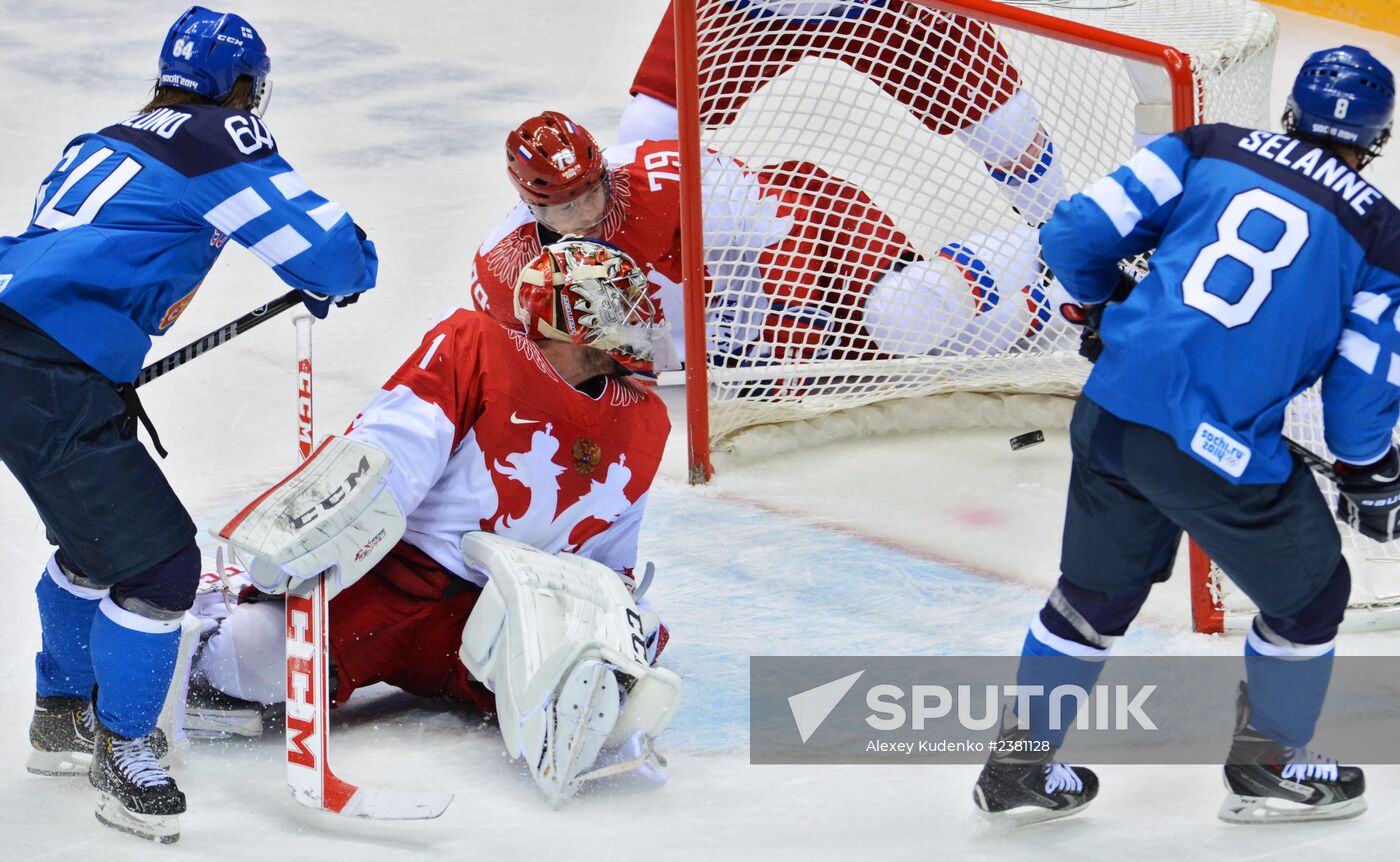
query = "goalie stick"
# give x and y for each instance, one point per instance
(309, 774)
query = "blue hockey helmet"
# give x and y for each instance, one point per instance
(206, 52)
(1344, 94)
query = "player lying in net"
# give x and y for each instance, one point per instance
(1276, 266)
(534, 434)
(802, 265)
(949, 71)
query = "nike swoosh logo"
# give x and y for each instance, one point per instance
(515, 419)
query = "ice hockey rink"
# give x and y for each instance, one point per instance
(931, 543)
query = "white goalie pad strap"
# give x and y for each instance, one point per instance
(648, 707)
(546, 635)
(334, 511)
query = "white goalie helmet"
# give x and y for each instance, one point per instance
(590, 292)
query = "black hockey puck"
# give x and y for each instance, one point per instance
(1030, 438)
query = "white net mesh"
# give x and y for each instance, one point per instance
(907, 151)
(1375, 567)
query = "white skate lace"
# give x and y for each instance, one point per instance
(138, 763)
(1061, 777)
(88, 718)
(1304, 764)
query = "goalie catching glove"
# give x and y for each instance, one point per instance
(1370, 496)
(333, 514)
(559, 640)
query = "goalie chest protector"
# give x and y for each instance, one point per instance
(531, 457)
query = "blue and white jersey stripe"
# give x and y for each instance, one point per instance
(127, 225)
(277, 216)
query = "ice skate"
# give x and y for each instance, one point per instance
(1269, 783)
(211, 714)
(60, 736)
(135, 793)
(1022, 786)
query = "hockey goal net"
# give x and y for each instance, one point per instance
(908, 147)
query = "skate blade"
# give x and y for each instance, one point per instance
(1024, 815)
(222, 725)
(161, 829)
(1266, 810)
(58, 763)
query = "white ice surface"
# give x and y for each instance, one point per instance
(935, 543)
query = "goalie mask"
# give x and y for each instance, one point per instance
(591, 293)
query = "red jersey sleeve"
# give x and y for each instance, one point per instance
(656, 77)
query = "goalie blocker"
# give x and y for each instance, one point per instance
(333, 514)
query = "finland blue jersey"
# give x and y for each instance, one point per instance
(1275, 265)
(130, 221)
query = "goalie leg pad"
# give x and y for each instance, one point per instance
(585, 711)
(550, 635)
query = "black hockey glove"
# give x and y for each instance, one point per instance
(1370, 496)
(1090, 317)
(320, 304)
(1087, 318)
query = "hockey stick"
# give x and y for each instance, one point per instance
(170, 362)
(1311, 459)
(309, 774)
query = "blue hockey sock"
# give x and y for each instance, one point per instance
(1287, 687)
(134, 658)
(1050, 661)
(63, 667)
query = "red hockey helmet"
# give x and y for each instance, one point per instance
(553, 160)
(591, 293)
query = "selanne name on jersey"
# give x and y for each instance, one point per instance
(1330, 172)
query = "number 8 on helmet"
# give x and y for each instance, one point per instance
(1346, 95)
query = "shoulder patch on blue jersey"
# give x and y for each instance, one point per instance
(196, 139)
